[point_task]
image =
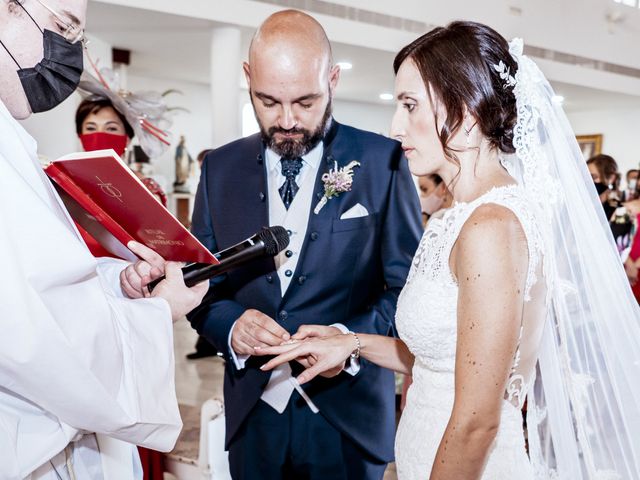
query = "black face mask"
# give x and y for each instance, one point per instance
(601, 187)
(56, 76)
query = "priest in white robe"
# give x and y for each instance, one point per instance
(85, 372)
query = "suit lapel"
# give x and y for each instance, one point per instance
(251, 201)
(333, 155)
(329, 161)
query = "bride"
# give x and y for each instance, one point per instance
(517, 293)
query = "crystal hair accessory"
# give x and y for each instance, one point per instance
(516, 47)
(505, 74)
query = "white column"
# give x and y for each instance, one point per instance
(226, 68)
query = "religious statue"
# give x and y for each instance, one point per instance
(184, 168)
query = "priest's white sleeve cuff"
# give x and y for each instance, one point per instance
(108, 270)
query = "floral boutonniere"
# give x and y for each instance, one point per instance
(338, 180)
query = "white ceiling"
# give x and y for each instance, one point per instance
(177, 47)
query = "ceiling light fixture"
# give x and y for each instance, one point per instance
(345, 65)
(557, 99)
(386, 96)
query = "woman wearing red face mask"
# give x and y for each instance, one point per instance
(100, 126)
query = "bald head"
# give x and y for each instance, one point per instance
(291, 33)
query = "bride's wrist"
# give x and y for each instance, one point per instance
(357, 346)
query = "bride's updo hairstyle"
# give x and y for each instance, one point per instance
(457, 62)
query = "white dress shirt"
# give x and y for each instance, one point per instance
(281, 384)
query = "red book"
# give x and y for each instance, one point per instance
(110, 203)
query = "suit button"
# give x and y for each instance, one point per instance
(302, 279)
(288, 273)
(270, 278)
(289, 232)
(314, 235)
(283, 315)
(288, 254)
(262, 196)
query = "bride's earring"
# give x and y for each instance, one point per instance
(467, 133)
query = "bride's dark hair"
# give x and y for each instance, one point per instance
(457, 62)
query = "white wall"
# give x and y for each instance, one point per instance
(55, 130)
(619, 128)
(366, 116)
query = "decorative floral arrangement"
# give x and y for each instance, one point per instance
(146, 112)
(336, 181)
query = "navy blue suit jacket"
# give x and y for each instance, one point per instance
(349, 271)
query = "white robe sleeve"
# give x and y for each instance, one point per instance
(75, 355)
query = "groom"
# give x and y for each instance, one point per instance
(343, 269)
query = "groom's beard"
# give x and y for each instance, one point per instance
(290, 148)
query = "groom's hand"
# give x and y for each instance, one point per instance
(315, 331)
(255, 329)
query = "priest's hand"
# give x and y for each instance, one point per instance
(181, 299)
(135, 278)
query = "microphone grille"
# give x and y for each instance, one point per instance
(275, 239)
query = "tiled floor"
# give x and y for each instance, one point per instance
(197, 381)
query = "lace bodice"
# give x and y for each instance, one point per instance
(427, 307)
(426, 318)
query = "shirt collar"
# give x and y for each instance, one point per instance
(311, 159)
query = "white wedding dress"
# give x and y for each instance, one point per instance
(426, 319)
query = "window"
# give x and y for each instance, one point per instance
(629, 3)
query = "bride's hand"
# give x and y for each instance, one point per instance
(326, 355)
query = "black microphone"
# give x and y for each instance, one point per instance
(267, 242)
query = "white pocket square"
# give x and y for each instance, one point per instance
(355, 212)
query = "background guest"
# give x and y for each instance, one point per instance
(435, 198)
(631, 192)
(606, 177)
(100, 125)
(604, 172)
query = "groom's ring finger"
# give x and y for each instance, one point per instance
(252, 341)
(243, 348)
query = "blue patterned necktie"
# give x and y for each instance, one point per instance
(290, 169)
